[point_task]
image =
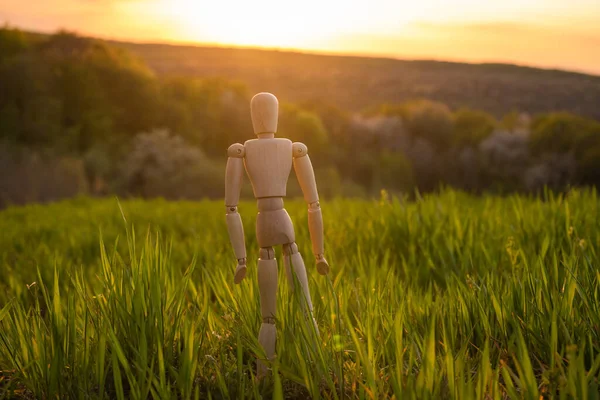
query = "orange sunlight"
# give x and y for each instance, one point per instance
(543, 33)
(268, 23)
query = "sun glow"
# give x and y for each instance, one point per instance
(247, 24)
(270, 23)
(460, 30)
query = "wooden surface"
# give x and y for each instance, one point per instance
(315, 228)
(274, 228)
(268, 164)
(264, 109)
(234, 172)
(233, 185)
(267, 286)
(236, 234)
(306, 178)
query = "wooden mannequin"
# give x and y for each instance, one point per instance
(268, 162)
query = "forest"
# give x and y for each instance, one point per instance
(83, 116)
(355, 83)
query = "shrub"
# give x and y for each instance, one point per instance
(472, 126)
(30, 176)
(161, 165)
(504, 157)
(555, 171)
(304, 126)
(561, 133)
(432, 122)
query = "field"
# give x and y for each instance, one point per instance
(444, 296)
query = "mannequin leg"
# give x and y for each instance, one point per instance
(267, 285)
(297, 266)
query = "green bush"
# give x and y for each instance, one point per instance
(161, 165)
(31, 176)
(472, 126)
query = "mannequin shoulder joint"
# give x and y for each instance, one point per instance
(236, 150)
(299, 149)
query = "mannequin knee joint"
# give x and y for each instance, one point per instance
(289, 249)
(267, 253)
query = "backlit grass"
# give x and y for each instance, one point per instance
(448, 296)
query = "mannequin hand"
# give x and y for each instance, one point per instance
(240, 271)
(322, 265)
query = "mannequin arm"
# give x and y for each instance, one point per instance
(306, 178)
(233, 187)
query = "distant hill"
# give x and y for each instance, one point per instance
(355, 83)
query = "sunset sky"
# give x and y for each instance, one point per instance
(548, 33)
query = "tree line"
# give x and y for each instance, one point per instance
(79, 115)
(354, 83)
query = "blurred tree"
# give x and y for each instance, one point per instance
(70, 92)
(430, 121)
(99, 166)
(377, 132)
(561, 133)
(304, 126)
(393, 173)
(335, 121)
(564, 133)
(103, 85)
(224, 113)
(329, 182)
(472, 126)
(504, 158)
(428, 163)
(30, 112)
(12, 42)
(589, 166)
(36, 176)
(465, 172)
(211, 113)
(179, 98)
(161, 165)
(554, 171)
(510, 122)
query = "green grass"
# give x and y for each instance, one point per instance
(449, 296)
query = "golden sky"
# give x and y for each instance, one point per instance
(547, 33)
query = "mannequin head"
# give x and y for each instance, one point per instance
(264, 109)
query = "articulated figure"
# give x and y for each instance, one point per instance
(268, 161)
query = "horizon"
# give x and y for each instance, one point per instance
(539, 33)
(324, 53)
(331, 53)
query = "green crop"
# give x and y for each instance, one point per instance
(446, 296)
